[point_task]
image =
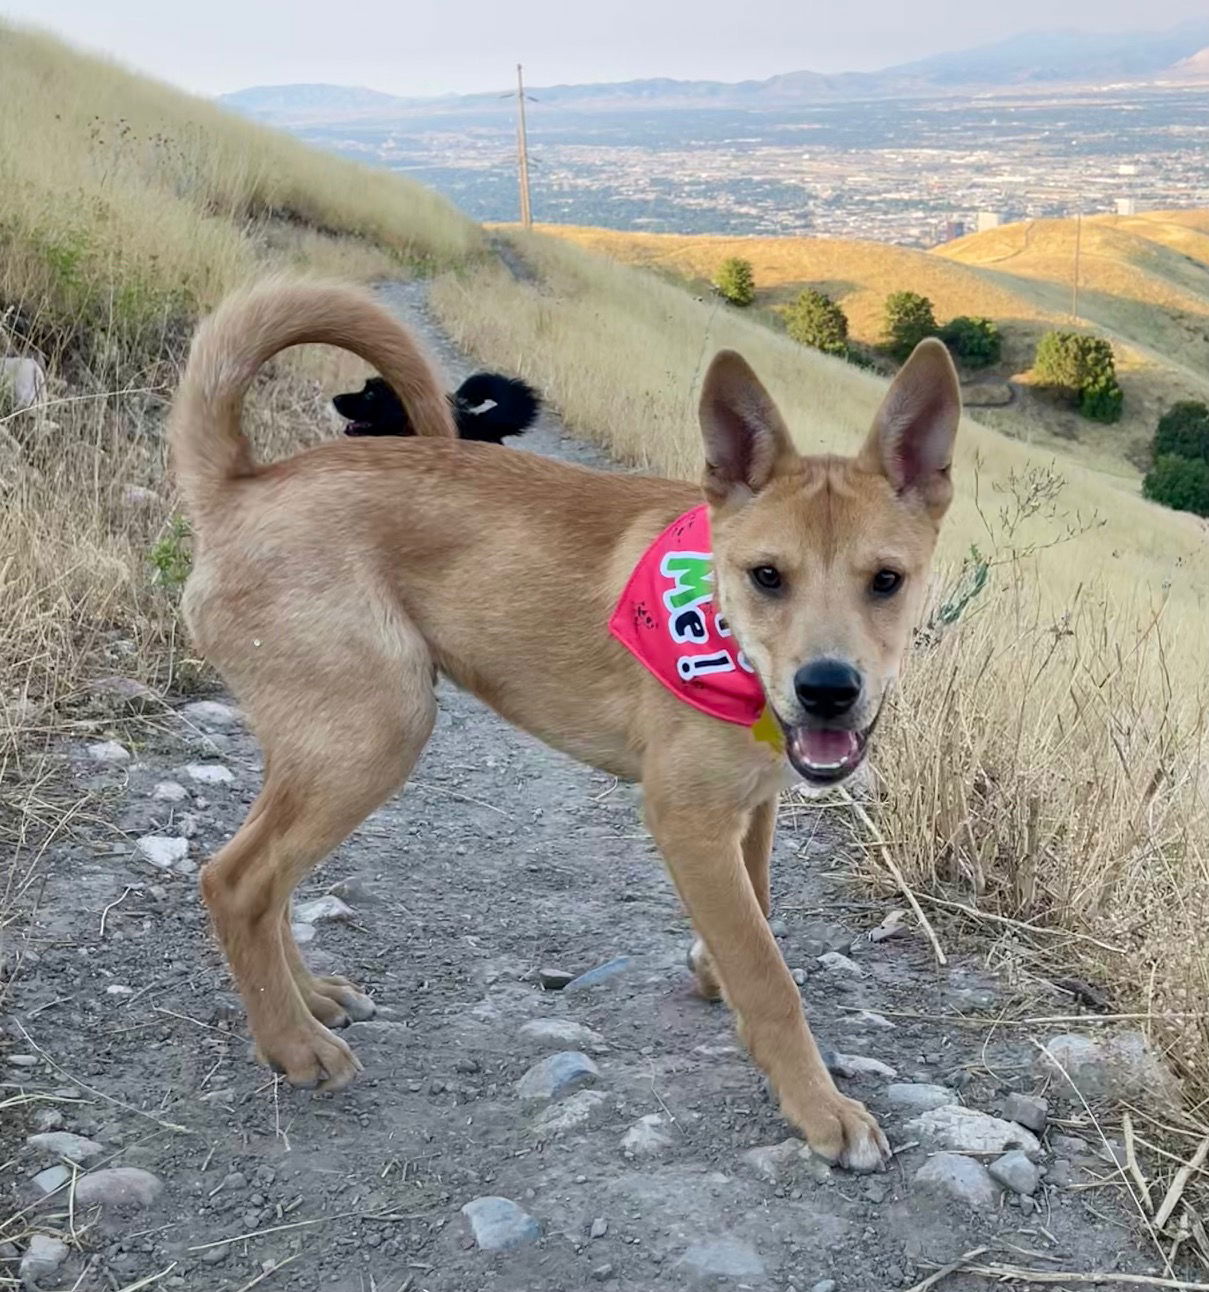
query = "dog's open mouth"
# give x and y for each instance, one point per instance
(823, 755)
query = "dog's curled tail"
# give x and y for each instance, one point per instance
(206, 439)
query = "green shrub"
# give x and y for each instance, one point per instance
(1081, 368)
(736, 282)
(1183, 432)
(909, 318)
(1179, 483)
(816, 320)
(974, 342)
(1102, 401)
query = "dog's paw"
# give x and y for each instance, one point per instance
(311, 1059)
(839, 1129)
(701, 963)
(336, 1002)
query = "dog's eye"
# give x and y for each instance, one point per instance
(767, 577)
(885, 583)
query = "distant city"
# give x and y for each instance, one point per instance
(912, 172)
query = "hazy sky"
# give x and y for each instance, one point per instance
(435, 46)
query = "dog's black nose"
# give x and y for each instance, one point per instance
(827, 687)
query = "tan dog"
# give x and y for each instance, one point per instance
(329, 590)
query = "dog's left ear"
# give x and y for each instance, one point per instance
(746, 441)
(911, 443)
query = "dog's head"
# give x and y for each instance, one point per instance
(821, 562)
(375, 409)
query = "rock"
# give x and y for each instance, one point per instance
(121, 696)
(858, 1065)
(209, 744)
(1110, 1067)
(554, 979)
(210, 715)
(355, 891)
(723, 1258)
(59, 1144)
(973, 1000)
(963, 1130)
(600, 1227)
(571, 1113)
(169, 792)
(986, 394)
(209, 773)
(48, 1119)
(1014, 1171)
(602, 1272)
(602, 973)
(837, 963)
(162, 851)
(959, 1179)
(818, 937)
(303, 933)
(1060, 1173)
(892, 926)
(778, 928)
(824, 1285)
(918, 1096)
(645, 1139)
(23, 1060)
(1029, 1111)
(321, 909)
(789, 1159)
(54, 1177)
(42, 1259)
(109, 753)
(562, 1034)
(22, 383)
(499, 1225)
(868, 1018)
(557, 1076)
(118, 1188)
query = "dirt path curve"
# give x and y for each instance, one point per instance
(500, 859)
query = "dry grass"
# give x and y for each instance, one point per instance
(1046, 756)
(1143, 287)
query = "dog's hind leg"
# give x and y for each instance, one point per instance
(333, 755)
(757, 852)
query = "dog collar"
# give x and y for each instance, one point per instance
(668, 620)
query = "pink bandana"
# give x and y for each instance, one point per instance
(667, 619)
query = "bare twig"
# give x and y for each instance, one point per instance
(265, 1273)
(1131, 1161)
(117, 901)
(1179, 1183)
(959, 1264)
(974, 913)
(1066, 1276)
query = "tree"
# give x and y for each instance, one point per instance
(1183, 432)
(816, 320)
(974, 342)
(1179, 483)
(909, 319)
(736, 282)
(1081, 368)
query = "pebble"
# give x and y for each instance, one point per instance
(820, 936)
(790, 1158)
(42, 1259)
(602, 973)
(778, 928)
(569, 1114)
(498, 1224)
(162, 851)
(209, 773)
(48, 1119)
(109, 753)
(600, 1227)
(169, 792)
(724, 1258)
(839, 963)
(1014, 1171)
(963, 1130)
(557, 1076)
(869, 1018)
(1029, 1111)
(320, 909)
(117, 1187)
(645, 1139)
(303, 933)
(562, 1033)
(355, 891)
(825, 1285)
(58, 1144)
(859, 1065)
(23, 1060)
(1112, 1067)
(51, 1179)
(958, 1178)
(554, 979)
(209, 713)
(602, 1272)
(917, 1096)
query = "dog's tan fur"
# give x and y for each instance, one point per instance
(330, 588)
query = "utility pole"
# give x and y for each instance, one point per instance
(522, 151)
(1074, 303)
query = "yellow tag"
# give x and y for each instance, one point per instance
(767, 730)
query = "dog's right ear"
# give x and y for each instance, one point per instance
(745, 437)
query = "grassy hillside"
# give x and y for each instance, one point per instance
(1144, 284)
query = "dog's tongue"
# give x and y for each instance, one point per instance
(825, 748)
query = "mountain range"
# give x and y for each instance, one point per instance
(1031, 60)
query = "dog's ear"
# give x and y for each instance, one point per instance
(746, 441)
(911, 443)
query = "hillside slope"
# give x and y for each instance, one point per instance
(1144, 284)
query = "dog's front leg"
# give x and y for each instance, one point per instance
(701, 837)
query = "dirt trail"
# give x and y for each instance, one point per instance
(499, 860)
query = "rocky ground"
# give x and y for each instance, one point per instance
(546, 1105)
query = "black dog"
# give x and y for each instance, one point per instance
(487, 406)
